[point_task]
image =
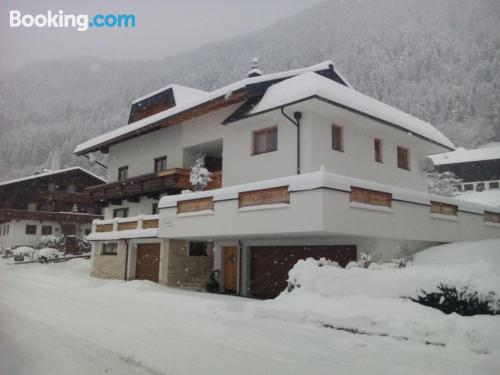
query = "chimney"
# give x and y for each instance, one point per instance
(255, 70)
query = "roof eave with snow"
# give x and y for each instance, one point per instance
(51, 173)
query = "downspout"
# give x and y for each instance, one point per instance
(126, 260)
(297, 116)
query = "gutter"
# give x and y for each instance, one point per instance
(297, 116)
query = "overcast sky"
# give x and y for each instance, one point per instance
(162, 27)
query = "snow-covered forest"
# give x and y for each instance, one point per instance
(435, 60)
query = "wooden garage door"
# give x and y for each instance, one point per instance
(270, 264)
(148, 262)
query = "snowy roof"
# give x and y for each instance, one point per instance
(310, 84)
(182, 94)
(107, 138)
(51, 173)
(461, 155)
(321, 179)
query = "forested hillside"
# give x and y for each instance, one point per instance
(438, 60)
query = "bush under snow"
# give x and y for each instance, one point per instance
(48, 253)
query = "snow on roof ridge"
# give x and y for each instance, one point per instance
(174, 87)
(311, 84)
(318, 179)
(225, 90)
(462, 155)
(44, 174)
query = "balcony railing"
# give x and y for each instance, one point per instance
(62, 196)
(175, 179)
(124, 224)
(9, 214)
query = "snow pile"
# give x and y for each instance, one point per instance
(377, 300)
(329, 280)
(488, 197)
(24, 253)
(48, 253)
(460, 253)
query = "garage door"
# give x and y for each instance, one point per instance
(270, 264)
(148, 262)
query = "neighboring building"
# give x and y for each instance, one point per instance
(51, 203)
(479, 169)
(304, 165)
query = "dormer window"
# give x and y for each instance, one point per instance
(337, 138)
(265, 140)
(161, 164)
(122, 173)
(403, 158)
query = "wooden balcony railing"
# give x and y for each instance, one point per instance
(60, 217)
(174, 179)
(127, 224)
(62, 196)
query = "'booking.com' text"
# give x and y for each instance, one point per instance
(80, 22)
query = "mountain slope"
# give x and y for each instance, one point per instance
(436, 60)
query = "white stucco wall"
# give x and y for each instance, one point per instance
(17, 233)
(143, 207)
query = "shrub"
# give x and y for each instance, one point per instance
(465, 302)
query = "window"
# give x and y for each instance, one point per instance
(337, 138)
(403, 158)
(377, 198)
(480, 186)
(46, 230)
(87, 231)
(71, 188)
(265, 140)
(32, 206)
(443, 208)
(198, 249)
(30, 229)
(110, 248)
(468, 187)
(122, 173)
(377, 143)
(52, 186)
(154, 210)
(161, 164)
(493, 185)
(120, 212)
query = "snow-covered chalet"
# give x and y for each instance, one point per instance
(302, 165)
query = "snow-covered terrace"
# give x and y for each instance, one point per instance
(320, 204)
(462, 155)
(143, 226)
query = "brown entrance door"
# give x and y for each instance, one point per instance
(230, 268)
(147, 266)
(269, 265)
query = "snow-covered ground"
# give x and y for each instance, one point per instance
(55, 319)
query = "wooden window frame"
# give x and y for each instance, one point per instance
(400, 149)
(377, 146)
(46, 230)
(109, 252)
(266, 132)
(161, 160)
(440, 208)
(339, 147)
(29, 232)
(371, 197)
(116, 210)
(120, 172)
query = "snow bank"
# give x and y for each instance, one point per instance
(376, 301)
(487, 198)
(460, 253)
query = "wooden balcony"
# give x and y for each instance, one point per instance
(172, 180)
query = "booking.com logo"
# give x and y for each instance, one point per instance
(79, 21)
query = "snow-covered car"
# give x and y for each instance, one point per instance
(47, 254)
(24, 252)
